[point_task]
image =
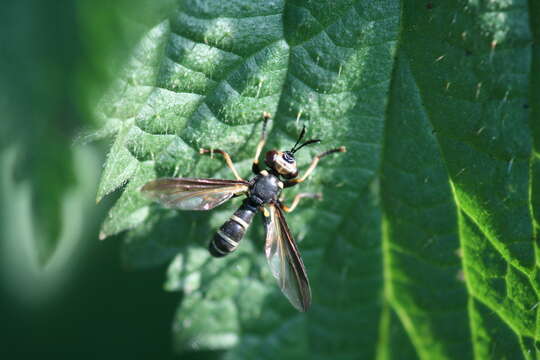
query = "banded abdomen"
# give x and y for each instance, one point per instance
(229, 234)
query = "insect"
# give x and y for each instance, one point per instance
(263, 194)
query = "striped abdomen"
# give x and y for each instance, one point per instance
(229, 234)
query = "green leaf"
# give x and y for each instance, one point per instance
(26, 277)
(395, 343)
(420, 234)
(425, 243)
(39, 117)
(473, 96)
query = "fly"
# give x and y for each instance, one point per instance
(263, 194)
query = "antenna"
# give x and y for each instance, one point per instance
(302, 133)
(304, 144)
(299, 138)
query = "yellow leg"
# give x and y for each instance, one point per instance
(297, 200)
(313, 165)
(255, 167)
(227, 160)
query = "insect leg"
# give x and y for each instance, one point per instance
(255, 167)
(297, 200)
(313, 165)
(227, 160)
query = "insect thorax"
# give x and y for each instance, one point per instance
(264, 189)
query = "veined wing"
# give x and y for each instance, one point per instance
(193, 194)
(285, 261)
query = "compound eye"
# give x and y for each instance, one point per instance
(270, 158)
(288, 157)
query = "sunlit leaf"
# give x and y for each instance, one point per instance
(424, 245)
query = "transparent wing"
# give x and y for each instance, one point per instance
(193, 194)
(285, 261)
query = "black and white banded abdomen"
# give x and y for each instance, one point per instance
(229, 234)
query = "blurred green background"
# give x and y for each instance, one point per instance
(57, 57)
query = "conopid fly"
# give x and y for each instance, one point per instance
(263, 193)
